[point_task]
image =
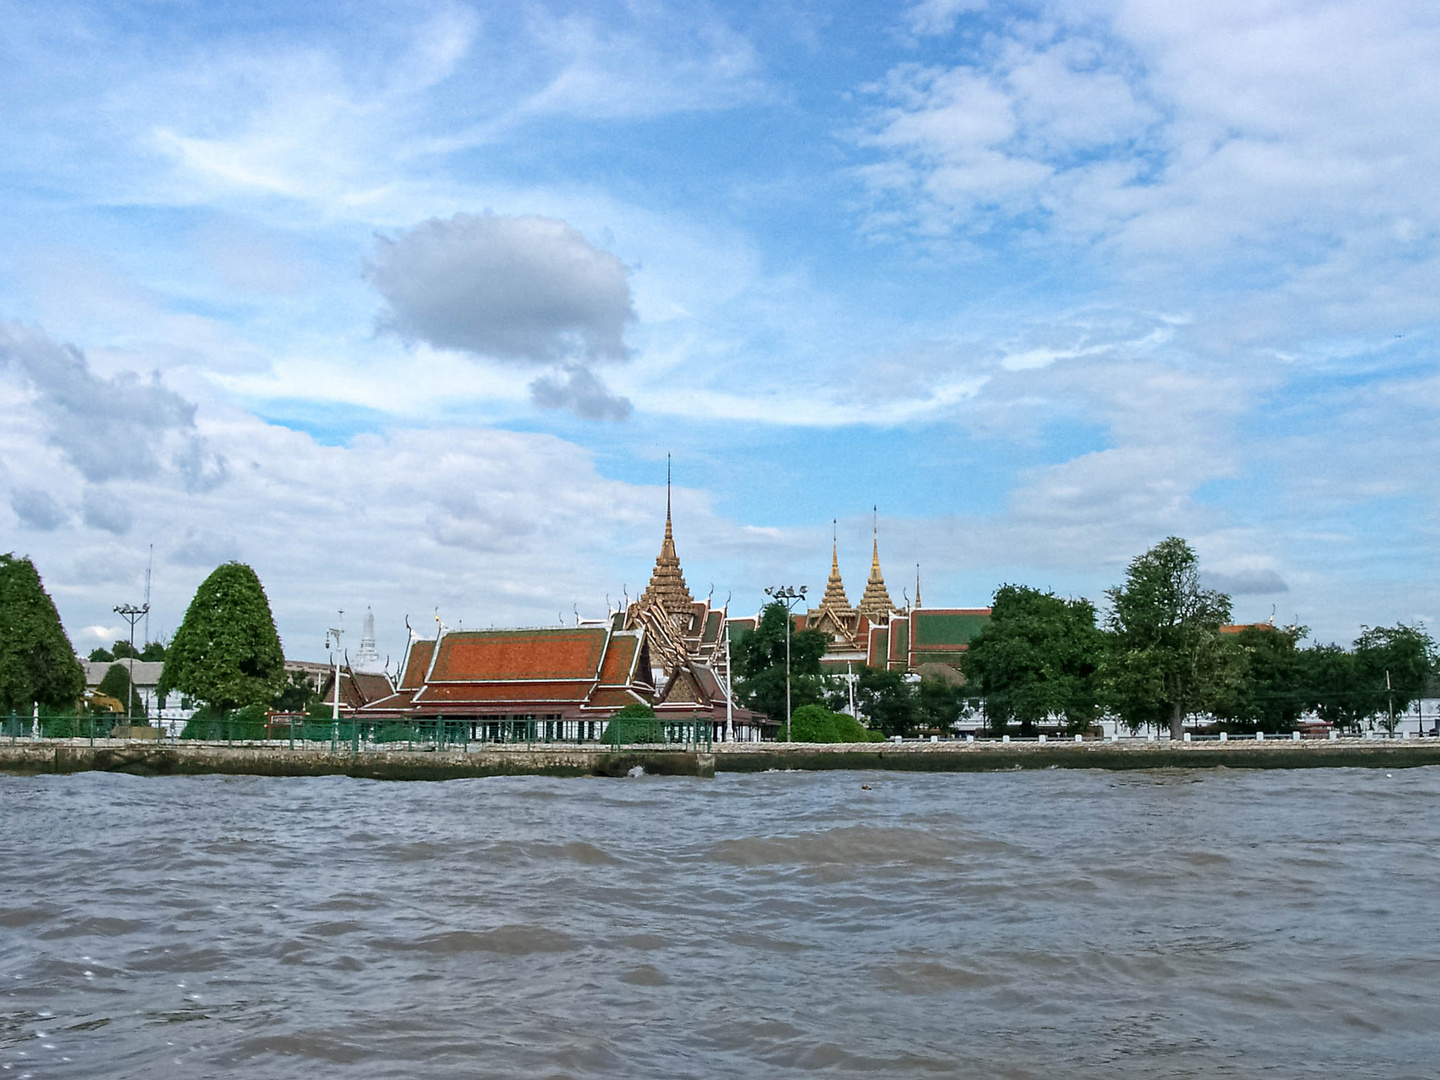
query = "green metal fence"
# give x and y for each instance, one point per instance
(357, 734)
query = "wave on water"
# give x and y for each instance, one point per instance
(1018, 925)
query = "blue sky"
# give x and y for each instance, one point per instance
(406, 304)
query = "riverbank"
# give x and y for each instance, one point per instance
(148, 759)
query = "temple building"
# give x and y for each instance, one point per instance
(877, 634)
(848, 629)
(666, 650)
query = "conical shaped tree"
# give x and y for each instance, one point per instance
(226, 652)
(37, 661)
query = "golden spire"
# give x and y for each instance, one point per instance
(917, 584)
(835, 598)
(876, 604)
(667, 588)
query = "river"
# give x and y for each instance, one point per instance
(1039, 924)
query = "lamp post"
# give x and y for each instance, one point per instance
(787, 595)
(132, 614)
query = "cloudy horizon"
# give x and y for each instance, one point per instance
(406, 307)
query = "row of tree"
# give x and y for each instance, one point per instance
(1165, 652)
(124, 650)
(226, 652)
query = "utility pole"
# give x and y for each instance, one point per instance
(149, 565)
(333, 635)
(1390, 696)
(729, 685)
(132, 614)
(787, 595)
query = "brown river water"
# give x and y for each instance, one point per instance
(1038, 924)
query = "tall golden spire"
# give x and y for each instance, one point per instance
(876, 604)
(667, 588)
(835, 598)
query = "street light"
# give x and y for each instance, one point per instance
(787, 595)
(132, 614)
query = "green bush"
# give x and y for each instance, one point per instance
(635, 723)
(816, 724)
(215, 724)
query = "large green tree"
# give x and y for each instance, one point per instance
(1270, 694)
(1167, 657)
(1393, 665)
(37, 661)
(1037, 657)
(226, 652)
(1330, 685)
(759, 659)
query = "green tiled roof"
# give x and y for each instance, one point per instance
(941, 629)
(899, 639)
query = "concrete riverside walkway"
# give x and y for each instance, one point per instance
(33, 757)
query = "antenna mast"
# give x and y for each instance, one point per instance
(148, 566)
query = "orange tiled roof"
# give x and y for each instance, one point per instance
(480, 693)
(619, 659)
(519, 655)
(417, 664)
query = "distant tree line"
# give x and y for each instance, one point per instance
(1164, 653)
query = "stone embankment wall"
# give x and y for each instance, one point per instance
(188, 759)
(147, 759)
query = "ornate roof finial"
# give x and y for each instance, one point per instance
(917, 584)
(667, 491)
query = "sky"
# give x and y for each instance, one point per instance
(405, 305)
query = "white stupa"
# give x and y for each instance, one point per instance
(366, 658)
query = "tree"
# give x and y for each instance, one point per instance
(1037, 657)
(116, 683)
(297, 695)
(123, 650)
(1167, 656)
(1393, 664)
(1270, 693)
(938, 703)
(153, 650)
(886, 700)
(1330, 685)
(37, 661)
(101, 656)
(759, 659)
(226, 652)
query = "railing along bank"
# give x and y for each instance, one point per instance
(309, 732)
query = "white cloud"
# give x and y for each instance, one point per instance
(517, 288)
(123, 426)
(525, 289)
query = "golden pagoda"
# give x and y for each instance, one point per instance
(876, 604)
(667, 589)
(833, 616)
